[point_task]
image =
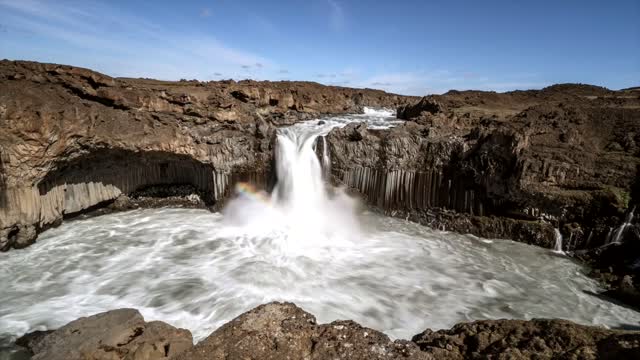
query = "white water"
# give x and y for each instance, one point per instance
(622, 228)
(558, 244)
(198, 270)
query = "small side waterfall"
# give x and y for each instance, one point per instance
(619, 232)
(558, 245)
(326, 161)
(607, 240)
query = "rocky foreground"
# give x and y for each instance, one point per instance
(284, 331)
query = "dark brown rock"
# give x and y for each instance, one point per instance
(535, 339)
(117, 334)
(31, 340)
(527, 159)
(72, 139)
(284, 331)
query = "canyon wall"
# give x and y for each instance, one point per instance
(513, 165)
(72, 139)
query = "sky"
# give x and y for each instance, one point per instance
(413, 47)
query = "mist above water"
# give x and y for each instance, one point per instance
(302, 243)
(301, 213)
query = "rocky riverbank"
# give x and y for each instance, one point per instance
(557, 168)
(513, 165)
(284, 331)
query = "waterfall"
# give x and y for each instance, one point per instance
(607, 240)
(558, 245)
(589, 238)
(617, 235)
(300, 186)
(326, 161)
(300, 208)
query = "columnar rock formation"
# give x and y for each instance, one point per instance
(511, 165)
(73, 139)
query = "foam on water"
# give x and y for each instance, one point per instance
(193, 270)
(557, 247)
(197, 270)
(374, 119)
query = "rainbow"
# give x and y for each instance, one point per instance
(250, 191)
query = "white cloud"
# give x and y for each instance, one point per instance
(123, 44)
(336, 16)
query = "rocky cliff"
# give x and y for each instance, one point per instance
(72, 139)
(513, 165)
(557, 168)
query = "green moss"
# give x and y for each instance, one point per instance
(622, 196)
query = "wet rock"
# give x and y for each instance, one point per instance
(117, 334)
(31, 340)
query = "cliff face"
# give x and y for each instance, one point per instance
(511, 165)
(73, 139)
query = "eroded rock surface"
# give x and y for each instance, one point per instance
(118, 334)
(284, 331)
(515, 165)
(72, 139)
(534, 339)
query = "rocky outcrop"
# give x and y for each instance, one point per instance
(72, 139)
(516, 165)
(118, 334)
(535, 339)
(513, 165)
(284, 331)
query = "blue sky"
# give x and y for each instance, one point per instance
(405, 46)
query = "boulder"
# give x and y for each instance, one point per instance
(114, 335)
(284, 331)
(277, 331)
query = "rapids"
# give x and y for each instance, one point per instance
(303, 243)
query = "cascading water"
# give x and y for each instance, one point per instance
(619, 232)
(558, 242)
(300, 205)
(326, 161)
(197, 270)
